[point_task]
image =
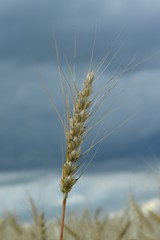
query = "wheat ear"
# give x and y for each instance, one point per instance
(42, 227)
(79, 122)
(77, 127)
(74, 138)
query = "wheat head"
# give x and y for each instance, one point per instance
(75, 133)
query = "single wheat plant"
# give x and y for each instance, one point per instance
(80, 117)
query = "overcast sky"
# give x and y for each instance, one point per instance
(31, 134)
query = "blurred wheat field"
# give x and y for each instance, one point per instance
(132, 224)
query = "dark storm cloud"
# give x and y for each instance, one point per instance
(27, 28)
(31, 135)
(28, 132)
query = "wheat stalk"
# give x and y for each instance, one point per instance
(80, 121)
(42, 227)
(77, 128)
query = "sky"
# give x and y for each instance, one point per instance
(32, 136)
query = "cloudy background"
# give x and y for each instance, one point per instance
(31, 134)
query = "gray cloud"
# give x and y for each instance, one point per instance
(87, 194)
(31, 135)
(27, 28)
